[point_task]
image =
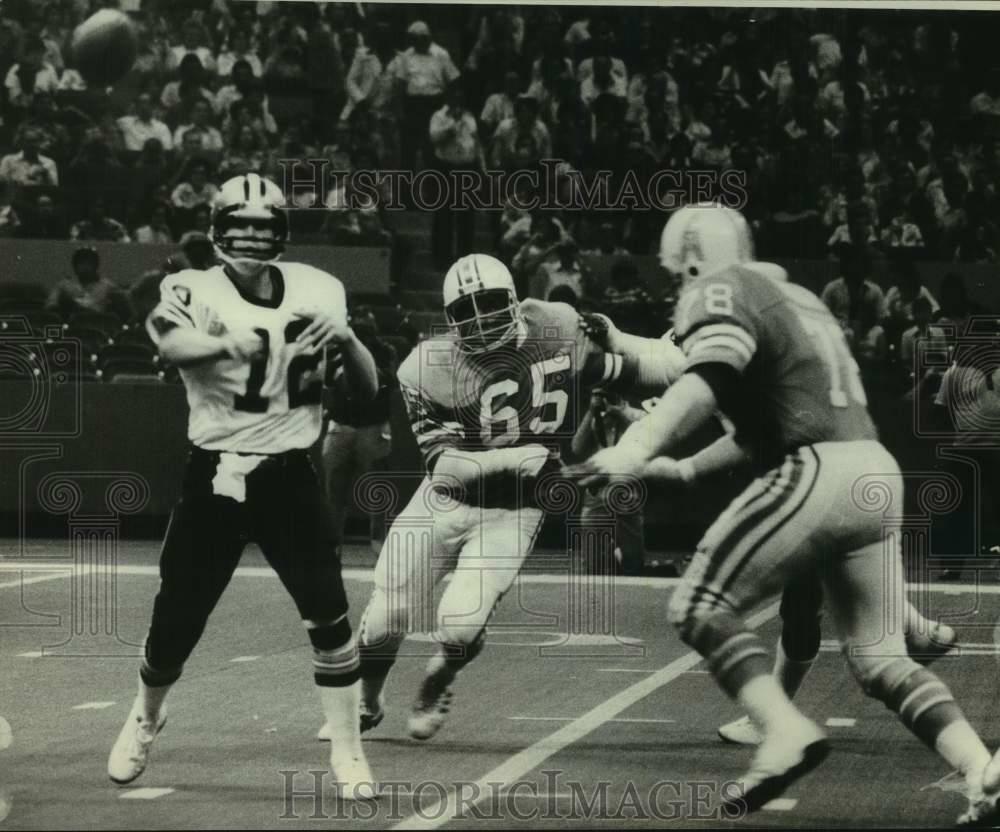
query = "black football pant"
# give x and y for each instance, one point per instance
(801, 609)
(284, 512)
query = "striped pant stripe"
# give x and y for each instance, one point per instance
(752, 511)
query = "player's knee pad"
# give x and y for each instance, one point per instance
(735, 655)
(458, 654)
(922, 701)
(335, 653)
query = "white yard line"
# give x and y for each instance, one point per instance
(65, 569)
(534, 755)
(571, 718)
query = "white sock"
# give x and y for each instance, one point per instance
(962, 748)
(340, 706)
(768, 706)
(789, 672)
(151, 701)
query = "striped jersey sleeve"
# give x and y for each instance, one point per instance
(178, 307)
(718, 321)
(434, 428)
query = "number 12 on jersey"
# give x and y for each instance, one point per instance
(298, 394)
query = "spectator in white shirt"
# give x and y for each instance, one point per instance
(189, 87)
(523, 140)
(244, 85)
(423, 73)
(578, 32)
(500, 105)
(987, 103)
(192, 43)
(239, 50)
(201, 118)
(29, 167)
(157, 230)
(30, 75)
(197, 190)
(922, 312)
(144, 125)
(455, 138)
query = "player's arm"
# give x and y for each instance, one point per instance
(718, 326)
(441, 438)
(721, 455)
(329, 327)
(627, 363)
(175, 327)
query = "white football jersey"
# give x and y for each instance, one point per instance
(273, 403)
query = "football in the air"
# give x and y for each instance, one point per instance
(104, 47)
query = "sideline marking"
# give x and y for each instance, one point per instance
(67, 569)
(145, 793)
(571, 718)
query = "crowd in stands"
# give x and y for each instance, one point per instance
(862, 135)
(878, 127)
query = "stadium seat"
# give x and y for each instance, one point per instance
(120, 370)
(373, 299)
(134, 336)
(111, 325)
(127, 352)
(22, 294)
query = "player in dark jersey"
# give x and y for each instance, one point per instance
(773, 359)
(489, 403)
(249, 337)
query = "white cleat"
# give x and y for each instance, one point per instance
(984, 799)
(779, 762)
(740, 731)
(130, 753)
(351, 775)
(369, 718)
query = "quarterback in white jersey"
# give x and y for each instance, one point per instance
(271, 403)
(249, 337)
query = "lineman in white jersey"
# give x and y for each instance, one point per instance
(249, 337)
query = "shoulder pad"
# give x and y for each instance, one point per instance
(430, 368)
(545, 318)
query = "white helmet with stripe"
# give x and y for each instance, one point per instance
(703, 239)
(480, 303)
(249, 223)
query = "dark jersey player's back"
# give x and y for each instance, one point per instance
(799, 383)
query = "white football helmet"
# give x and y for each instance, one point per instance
(704, 238)
(249, 223)
(480, 303)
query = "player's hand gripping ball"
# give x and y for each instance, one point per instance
(104, 47)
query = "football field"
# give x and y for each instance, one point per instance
(584, 710)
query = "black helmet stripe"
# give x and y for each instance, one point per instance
(246, 188)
